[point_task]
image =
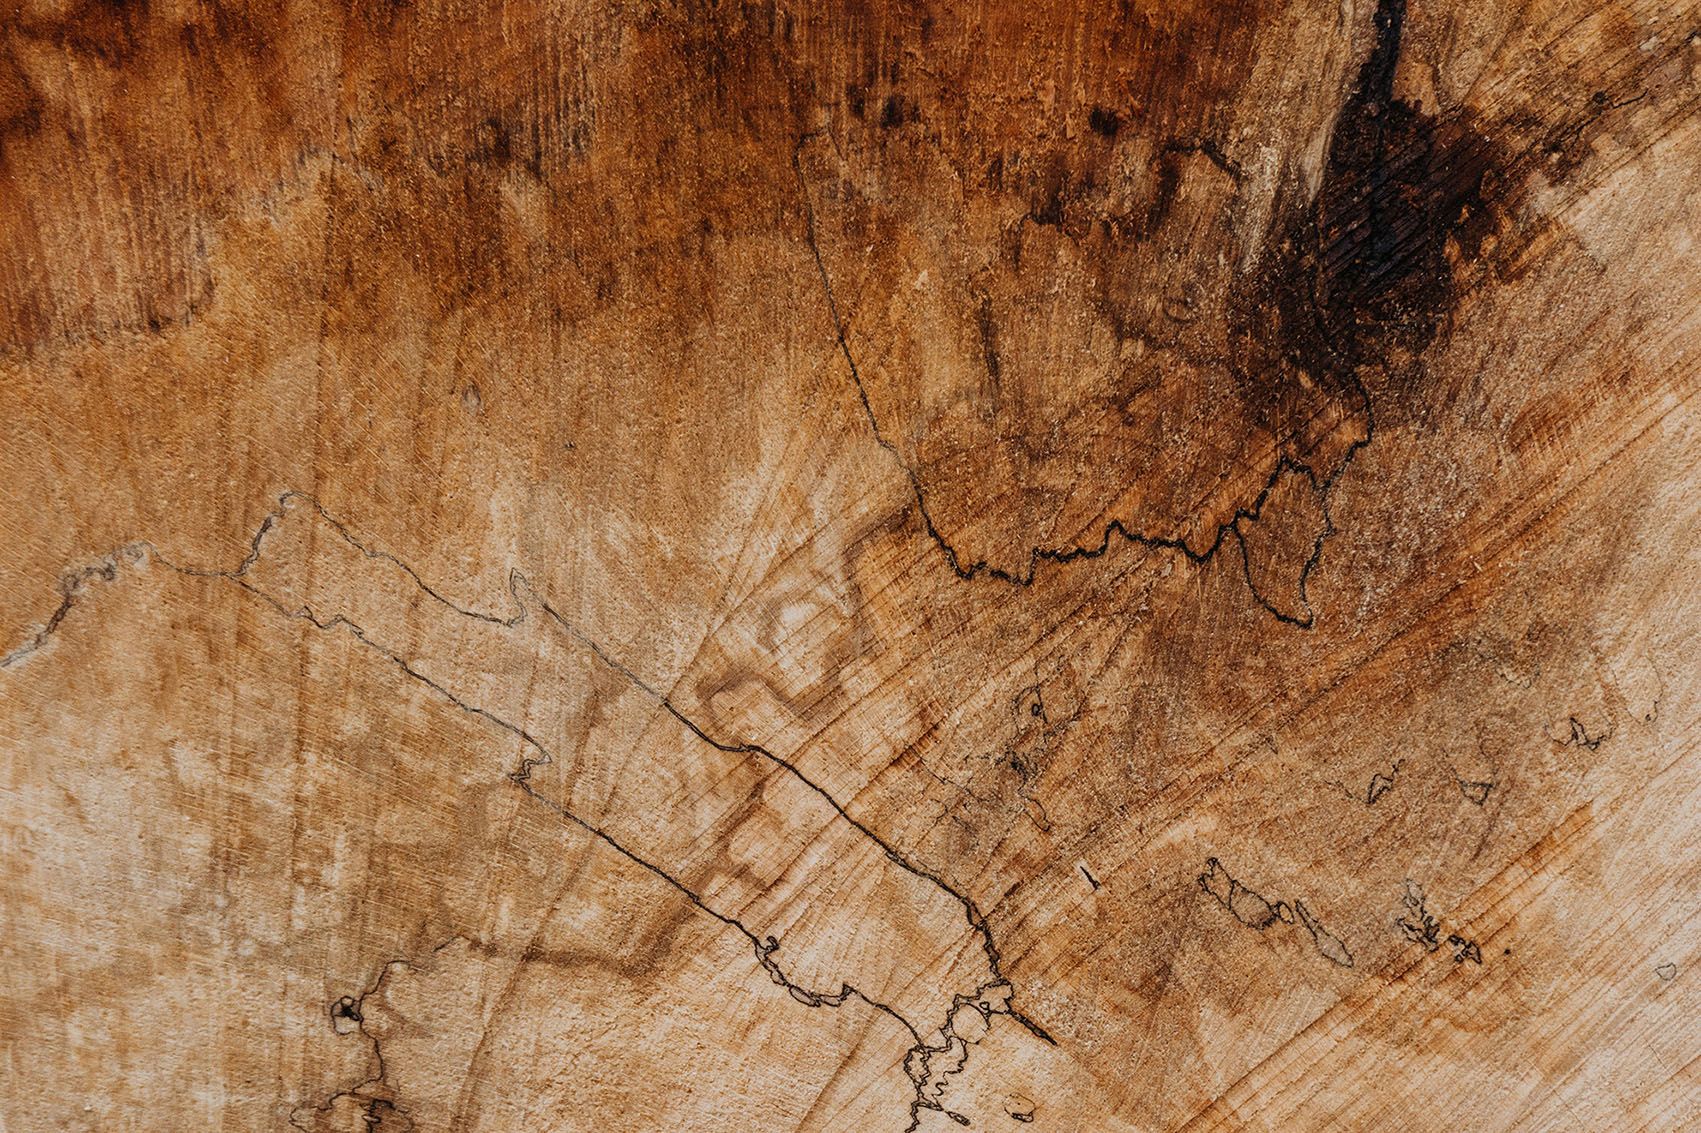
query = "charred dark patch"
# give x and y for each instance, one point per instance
(493, 143)
(1048, 209)
(988, 339)
(1104, 121)
(1398, 187)
(897, 110)
(1167, 166)
(1365, 276)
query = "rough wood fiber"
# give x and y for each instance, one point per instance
(603, 566)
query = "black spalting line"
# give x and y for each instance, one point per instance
(764, 947)
(918, 1059)
(1364, 269)
(977, 921)
(374, 1094)
(1255, 911)
(70, 588)
(517, 583)
(981, 568)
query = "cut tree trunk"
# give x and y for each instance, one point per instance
(717, 566)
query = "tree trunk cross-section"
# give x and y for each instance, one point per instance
(730, 566)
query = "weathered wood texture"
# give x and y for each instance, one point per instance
(608, 566)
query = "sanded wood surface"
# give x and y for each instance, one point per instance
(871, 566)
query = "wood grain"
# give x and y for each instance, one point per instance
(722, 566)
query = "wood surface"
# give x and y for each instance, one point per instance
(850, 566)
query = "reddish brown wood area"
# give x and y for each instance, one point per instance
(850, 566)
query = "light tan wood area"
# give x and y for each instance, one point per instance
(716, 566)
